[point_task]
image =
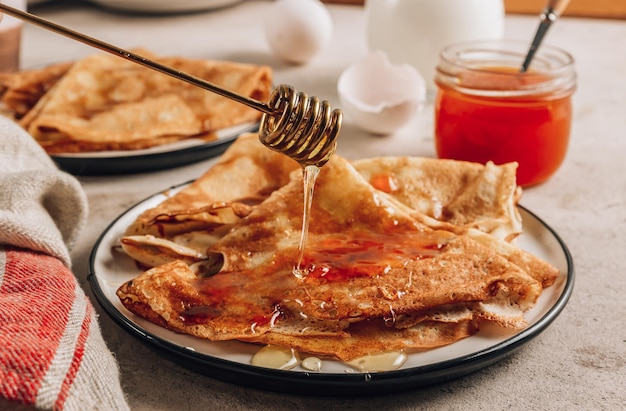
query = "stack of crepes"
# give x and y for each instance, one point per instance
(402, 254)
(104, 102)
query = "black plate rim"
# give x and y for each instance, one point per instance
(333, 384)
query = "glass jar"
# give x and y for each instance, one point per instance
(486, 110)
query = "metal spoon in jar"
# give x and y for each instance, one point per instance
(550, 13)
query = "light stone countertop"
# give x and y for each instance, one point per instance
(579, 362)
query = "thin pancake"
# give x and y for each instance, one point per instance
(245, 175)
(466, 194)
(370, 260)
(107, 103)
(373, 336)
(21, 90)
(361, 239)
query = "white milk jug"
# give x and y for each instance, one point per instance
(414, 31)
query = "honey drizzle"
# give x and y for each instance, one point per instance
(309, 174)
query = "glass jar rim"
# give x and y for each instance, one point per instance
(491, 68)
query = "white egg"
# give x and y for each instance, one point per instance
(297, 30)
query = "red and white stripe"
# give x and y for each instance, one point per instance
(49, 355)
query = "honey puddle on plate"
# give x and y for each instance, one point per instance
(272, 356)
(281, 358)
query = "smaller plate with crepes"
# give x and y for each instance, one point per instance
(106, 115)
(429, 262)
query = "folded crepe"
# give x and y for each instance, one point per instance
(245, 175)
(463, 193)
(375, 265)
(467, 195)
(104, 102)
(21, 90)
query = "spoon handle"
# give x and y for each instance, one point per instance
(557, 6)
(550, 13)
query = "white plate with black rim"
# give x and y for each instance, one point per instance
(231, 360)
(165, 6)
(150, 159)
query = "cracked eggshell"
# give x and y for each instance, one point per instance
(379, 96)
(297, 30)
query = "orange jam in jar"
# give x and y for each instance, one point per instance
(486, 110)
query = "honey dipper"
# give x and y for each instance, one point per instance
(301, 127)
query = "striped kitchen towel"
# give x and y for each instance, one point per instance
(52, 355)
